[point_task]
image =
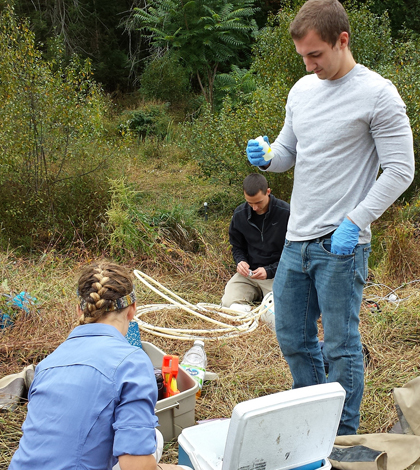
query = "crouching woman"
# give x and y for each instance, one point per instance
(92, 401)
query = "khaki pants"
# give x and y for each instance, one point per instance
(243, 290)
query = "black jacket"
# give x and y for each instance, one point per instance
(259, 248)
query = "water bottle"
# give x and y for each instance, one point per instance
(266, 148)
(133, 334)
(195, 362)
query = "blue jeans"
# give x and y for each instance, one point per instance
(310, 280)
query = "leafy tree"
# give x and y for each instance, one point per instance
(106, 31)
(218, 141)
(234, 84)
(274, 53)
(371, 42)
(52, 140)
(202, 34)
(402, 13)
(92, 30)
(165, 78)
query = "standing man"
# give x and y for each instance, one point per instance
(256, 233)
(342, 123)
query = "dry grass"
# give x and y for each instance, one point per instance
(392, 336)
(248, 366)
(10, 433)
(400, 242)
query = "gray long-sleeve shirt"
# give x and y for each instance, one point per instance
(337, 133)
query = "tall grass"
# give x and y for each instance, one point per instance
(396, 239)
(248, 366)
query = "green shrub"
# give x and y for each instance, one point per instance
(218, 142)
(403, 72)
(237, 84)
(179, 225)
(135, 231)
(129, 230)
(274, 54)
(150, 120)
(165, 79)
(54, 150)
(371, 42)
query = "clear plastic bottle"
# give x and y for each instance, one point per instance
(195, 363)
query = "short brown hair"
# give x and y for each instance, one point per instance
(254, 183)
(100, 286)
(327, 17)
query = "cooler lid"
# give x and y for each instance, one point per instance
(205, 444)
(284, 430)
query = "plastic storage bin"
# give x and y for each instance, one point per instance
(294, 429)
(177, 412)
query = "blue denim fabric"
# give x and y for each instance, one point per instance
(310, 280)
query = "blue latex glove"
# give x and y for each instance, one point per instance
(345, 238)
(255, 153)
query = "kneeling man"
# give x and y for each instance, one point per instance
(257, 233)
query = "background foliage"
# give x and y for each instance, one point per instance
(64, 143)
(201, 34)
(93, 30)
(54, 147)
(164, 78)
(219, 140)
(104, 31)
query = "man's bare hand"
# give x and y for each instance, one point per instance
(259, 273)
(243, 268)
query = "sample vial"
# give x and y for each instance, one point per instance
(266, 148)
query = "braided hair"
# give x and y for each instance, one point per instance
(100, 286)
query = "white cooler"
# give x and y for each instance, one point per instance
(288, 430)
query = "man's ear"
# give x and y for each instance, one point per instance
(268, 191)
(344, 39)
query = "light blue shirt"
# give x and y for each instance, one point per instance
(91, 400)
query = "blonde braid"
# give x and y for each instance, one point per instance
(99, 287)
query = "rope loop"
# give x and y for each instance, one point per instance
(244, 322)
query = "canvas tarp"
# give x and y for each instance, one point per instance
(14, 387)
(385, 451)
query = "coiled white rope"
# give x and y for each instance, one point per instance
(392, 296)
(244, 322)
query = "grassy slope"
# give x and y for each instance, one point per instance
(248, 366)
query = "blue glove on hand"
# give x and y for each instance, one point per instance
(255, 152)
(345, 238)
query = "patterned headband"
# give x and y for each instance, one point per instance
(118, 304)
